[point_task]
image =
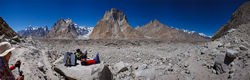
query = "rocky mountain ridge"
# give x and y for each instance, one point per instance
(66, 29)
(114, 25)
(239, 17)
(157, 30)
(34, 32)
(41, 32)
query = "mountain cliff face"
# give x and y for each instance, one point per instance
(114, 25)
(34, 32)
(239, 17)
(63, 29)
(237, 30)
(5, 29)
(156, 30)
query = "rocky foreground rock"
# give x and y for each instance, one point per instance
(79, 72)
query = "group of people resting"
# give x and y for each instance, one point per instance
(84, 59)
(5, 54)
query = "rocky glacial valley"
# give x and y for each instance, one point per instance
(151, 52)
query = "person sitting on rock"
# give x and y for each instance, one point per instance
(89, 62)
(79, 54)
(5, 71)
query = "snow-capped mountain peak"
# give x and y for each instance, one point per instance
(193, 32)
(30, 28)
(83, 31)
(34, 31)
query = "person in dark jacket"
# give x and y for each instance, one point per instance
(79, 53)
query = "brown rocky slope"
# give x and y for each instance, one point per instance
(240, 16)
(5, 29)
(156, 30)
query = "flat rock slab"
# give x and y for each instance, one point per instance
(79, 72)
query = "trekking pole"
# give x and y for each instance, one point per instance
(19, 70)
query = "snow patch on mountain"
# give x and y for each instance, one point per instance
(30, 28)
(83, 31)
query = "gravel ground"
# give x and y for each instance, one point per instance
(136, 59)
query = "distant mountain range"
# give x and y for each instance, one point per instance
(34, 31)
(59, 30)
(114, 25)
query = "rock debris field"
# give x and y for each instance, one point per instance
(134, 60)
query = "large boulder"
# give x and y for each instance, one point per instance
(230, 56)
(221, 63)
(79, 72)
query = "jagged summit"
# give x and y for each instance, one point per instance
(63, 29)
(114, 25)
(137, 28)
(115, 15)
(156, 21)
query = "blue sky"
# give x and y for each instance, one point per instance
(205, 16)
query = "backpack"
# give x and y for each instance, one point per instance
(69, 59)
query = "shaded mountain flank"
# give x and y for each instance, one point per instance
(240, 17)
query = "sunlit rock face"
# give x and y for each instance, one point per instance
(114, 25)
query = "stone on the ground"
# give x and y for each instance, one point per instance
(40, 65)
(219, 65)
(120, 67)
(230, 56)
(142, 67)
(148, 74)
(219, 68)
(79, 72)
(4, 38)
(244, 48)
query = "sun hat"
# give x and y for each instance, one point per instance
(5, 48)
